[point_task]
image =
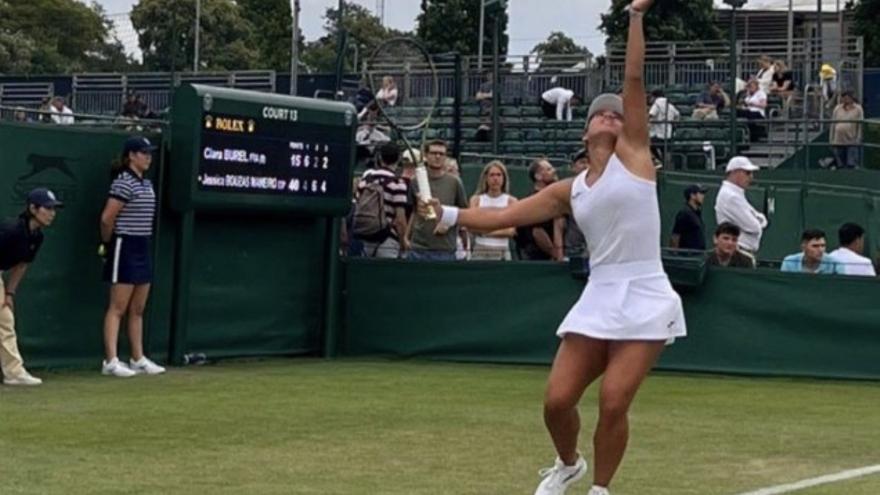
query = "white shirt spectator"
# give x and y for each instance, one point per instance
(62, 117)
(853, 263)
(732, 206)
(765, 78)
(757, 102)
(560, 97)
(661, 111)
(389, 96)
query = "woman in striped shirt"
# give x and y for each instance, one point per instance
(126, 235)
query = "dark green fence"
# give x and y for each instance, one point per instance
(757, 322)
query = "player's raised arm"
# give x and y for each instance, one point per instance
(634, 147)
(550, 203)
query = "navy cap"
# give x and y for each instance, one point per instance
(580, 155)
(694, 189)
(137, 144)
(44, 198)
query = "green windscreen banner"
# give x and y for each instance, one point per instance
(739, 321)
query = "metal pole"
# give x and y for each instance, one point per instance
(496, 83)
(340, 48)
(791, 34)
(819, 51)
(294, 45)
(733, 150)
(482, 33)
(197, 29)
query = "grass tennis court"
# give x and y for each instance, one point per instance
(306, 426)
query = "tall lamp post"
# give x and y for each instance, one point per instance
(294, 45)
(734, 4)
(198, 28)
(496, 9)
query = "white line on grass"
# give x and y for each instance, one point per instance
(821, 480)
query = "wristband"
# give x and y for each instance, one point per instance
(449, 217)
(634, 13)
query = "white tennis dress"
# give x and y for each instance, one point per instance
(628, 295)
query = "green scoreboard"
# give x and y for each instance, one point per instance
(245, 150)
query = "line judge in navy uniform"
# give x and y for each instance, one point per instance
(20, 240)
(126, 240)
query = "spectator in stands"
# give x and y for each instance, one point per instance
(20, 241)
(558, 102)
(661, 114)
(732, 206)
(812, 258)
(452, 167)
(687, 233)
(493, 191)
(427, 239)
(783, 80)
(20, 115)
(828, 77)
(543, 241)
(130, 108)
(764, 77)
(484, 98)
(61, 113)
(726, 252)
(846, 131)
(387, 95)
(711, 101)
(849, 254)
(410, 159)
(573, 241)
(755, 108)
(381, 192)
(364, 96)
(45, 110)
(463, 239)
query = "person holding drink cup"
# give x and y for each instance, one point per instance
(426, 238)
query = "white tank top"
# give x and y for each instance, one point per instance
(619, 216)
(486, 201)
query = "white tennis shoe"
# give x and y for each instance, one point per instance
(599, 490)
(25, 379)
(116, 368)
(558, 478)
(145, 366)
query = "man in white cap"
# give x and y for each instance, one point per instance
(732, 205)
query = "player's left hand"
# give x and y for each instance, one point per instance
(641, 5)
(424, 208)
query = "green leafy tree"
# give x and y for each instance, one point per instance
(166, 34)
(454, 26)
(668, 20)
(271, 27)
(865, 15)
(558, 44)
(365, 34)
(52, 36)
(16, 52)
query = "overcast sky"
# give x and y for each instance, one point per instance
(531, 21)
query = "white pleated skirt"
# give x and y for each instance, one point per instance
(627, 301)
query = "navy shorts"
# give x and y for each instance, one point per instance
(128, 261)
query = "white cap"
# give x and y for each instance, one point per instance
(607, 101)
(741, 163)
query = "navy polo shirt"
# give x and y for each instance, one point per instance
(18, 244)
(689, 226)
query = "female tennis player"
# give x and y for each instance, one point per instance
(628, 310)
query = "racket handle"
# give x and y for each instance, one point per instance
(424, 189)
